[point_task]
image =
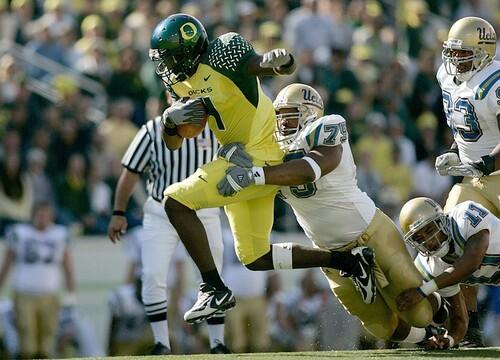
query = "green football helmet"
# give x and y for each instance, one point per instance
(177, 44)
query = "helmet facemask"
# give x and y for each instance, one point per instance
(455, 63)
(173, 68)
(290, 119)
(430, 237)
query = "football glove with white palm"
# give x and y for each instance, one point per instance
(476, 169)
(445, 161)
(181, 112)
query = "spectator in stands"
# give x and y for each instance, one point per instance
(16, 192)
(341, 82)
(100, 200)
(11, 77)
(73, 193)
(369, 180)
(23, 16)
(125, 82)
(38, 251)
(57, 17)
(44, 44)
(118, 130)
(398, 176)
(377, 142)
(406, 147)
(42, 186)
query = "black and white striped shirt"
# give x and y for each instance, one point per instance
(148, 153)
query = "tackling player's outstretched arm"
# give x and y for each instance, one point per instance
(300, 171)
(320, 161)
(474, 251)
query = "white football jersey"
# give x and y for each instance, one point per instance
(466, 219)
(39, 255)
(333, 211)
(471, 109)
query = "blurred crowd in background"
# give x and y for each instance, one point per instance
(373, 61)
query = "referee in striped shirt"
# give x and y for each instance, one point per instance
(148, 154)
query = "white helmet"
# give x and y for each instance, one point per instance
(471, 34)
(416, 215)
(308, 107)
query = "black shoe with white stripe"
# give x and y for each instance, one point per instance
(363, 275)
(473, 339)
(211, 302)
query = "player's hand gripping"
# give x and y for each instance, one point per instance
(235, 153)
(445, 161)
(117, 227)
(276, 58)
(476, 169)
(184, 112)
(236, 179)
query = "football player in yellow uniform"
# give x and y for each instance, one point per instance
(470, 81)
(221, 77)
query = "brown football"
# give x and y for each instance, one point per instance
(191, 130)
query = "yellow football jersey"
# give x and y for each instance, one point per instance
(239, 110)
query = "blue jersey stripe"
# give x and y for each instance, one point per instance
(486, 85)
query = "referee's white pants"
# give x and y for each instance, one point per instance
(160, 243)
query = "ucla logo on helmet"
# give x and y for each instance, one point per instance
(188, 31)
(486, 38)
(310, 97)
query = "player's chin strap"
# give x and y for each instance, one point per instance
(282, 256)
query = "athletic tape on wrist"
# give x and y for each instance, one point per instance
(429, 287)
(314, 166)
(282, 256)
(451, 340)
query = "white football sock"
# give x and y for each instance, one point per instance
(160, 332)
(216, 334)
(416, 335)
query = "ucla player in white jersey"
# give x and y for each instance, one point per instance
(458, 247)
(318, 180)
(470, 81)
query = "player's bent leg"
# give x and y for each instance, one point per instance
(251, 222)
(395, 262)
(377, 317)
(471, 189)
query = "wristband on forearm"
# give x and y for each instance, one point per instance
(428, 288)
(118, 213)
(486, 164)
(258, 175)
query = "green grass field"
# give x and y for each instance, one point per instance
(462, 354)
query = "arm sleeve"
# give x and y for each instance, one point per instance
(328, 131)
(138, 154)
